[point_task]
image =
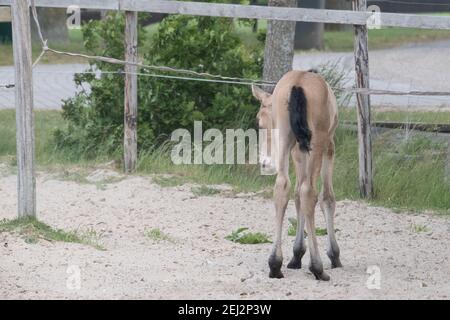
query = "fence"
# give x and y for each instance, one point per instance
(359, 18)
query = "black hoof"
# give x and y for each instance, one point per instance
(334, 258)
(319, 274)
(276, 274)
(275, 264)
(336, 263)
(295, 263)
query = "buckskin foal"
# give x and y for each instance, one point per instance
(303, 110)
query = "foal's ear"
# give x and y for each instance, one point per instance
(259, 93)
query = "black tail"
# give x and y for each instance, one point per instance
(297, 118)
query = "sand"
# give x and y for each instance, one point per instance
(197, 262)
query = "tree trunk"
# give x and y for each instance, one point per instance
(53, 25)
(309, 35)
(338, 5)
(279, 49)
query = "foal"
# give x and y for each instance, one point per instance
(303, 109)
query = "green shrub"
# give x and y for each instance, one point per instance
(95, 118)
(203, 44)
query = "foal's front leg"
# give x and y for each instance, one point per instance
(281, 198)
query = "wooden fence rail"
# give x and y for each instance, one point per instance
(254, 12)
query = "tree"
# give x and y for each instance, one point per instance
(309, 35)
(202, 44)
(279, 48)
(338, 5)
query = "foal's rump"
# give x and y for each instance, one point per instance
(310, 107)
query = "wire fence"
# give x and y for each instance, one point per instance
(247, 82)
(191, 75)
(204, 76)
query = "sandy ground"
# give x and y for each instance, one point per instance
(200, 263)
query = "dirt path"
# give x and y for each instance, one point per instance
(416, 66)
(201, 263)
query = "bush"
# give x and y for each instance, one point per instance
(203, 44)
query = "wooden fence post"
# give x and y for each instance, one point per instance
(363, 105)
(130, 116)
(26, 183)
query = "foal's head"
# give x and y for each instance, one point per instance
(264, 121)
(264, 116)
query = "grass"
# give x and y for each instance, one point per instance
(409, 167)
(73, 44)
(47, 155)
(204, 191)
(80, 175)
(33, 230)
(321, 232)
(436, 117)
(242, 236)
(170, 181)
(243, 178)
(333, 41)
(293, 223)
(292, 231)
(409, 171)
(418, 228)
(343, 40)
(383, 38)
(156, 234)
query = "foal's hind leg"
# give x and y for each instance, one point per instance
(328, 204)
(308, 198)
(281, 198)
(299, 244)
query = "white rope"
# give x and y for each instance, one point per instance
(38, 25)
(99, 73)
(38, 58)
(137, 64)
(349, 90)
(161, 68)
